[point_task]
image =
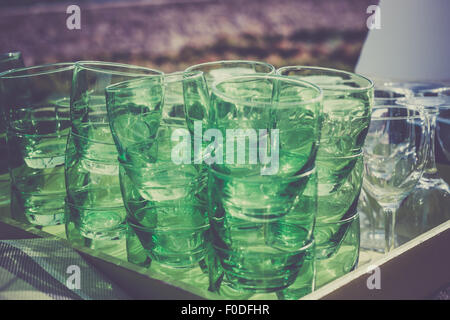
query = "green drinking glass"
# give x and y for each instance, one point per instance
(8, 61)
(172, 232)
(262, 207)
(163, 184)
(94, 203)
(347, 104)
(348, 99)
(305, 282)
(134, 110)
(219, 70)
(36, 102)
(94, 206)
(197, 105)
(339, 255)
(88, 102)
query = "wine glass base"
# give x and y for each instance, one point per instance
(425, 208)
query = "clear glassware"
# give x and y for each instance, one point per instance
(389, 93)
(417, 88)
(394, 160)
(429, 204)
(443, 140)
(371, 217)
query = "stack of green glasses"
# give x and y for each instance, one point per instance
(183, 159)
(248, 174)
(36, 103)
(346, 116)
(94, 203)
(8, 61)
(163, 180)
(262, 183)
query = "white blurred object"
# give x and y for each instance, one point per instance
(412, 43)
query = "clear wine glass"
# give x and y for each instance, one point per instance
(426, 97)
(429, 204)
(394, 157)
(417, 88)
(443, 140)
(371, 215)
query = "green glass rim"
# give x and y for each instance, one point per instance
(39, 70)
(159, 229)
(305, 247)
(37, 194)
(81, 137)
(8, 56)
(257, 179)
(229, 62)
(370, 83)
(283, 105)
(182, 75)
(133, 84)
(111, 68)
(352, 218)
(94, 208)
(357, 153)
(36, 135)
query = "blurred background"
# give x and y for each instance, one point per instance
(172, 34)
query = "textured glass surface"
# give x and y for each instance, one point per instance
(262, 223)
(94, 207)
(36, 101)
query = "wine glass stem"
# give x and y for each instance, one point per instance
(430, 166)
(389, 213)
